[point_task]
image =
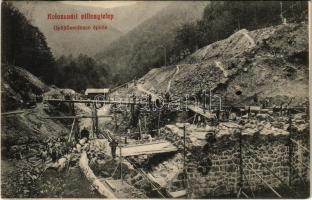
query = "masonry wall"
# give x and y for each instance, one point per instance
(229, 161)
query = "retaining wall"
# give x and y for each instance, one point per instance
(251, 161)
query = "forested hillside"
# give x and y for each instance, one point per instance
(221, 19)
(81, 72)
(143, 48)
(79, 42)
(25, 46)
(165, 38)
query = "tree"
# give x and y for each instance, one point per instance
(82, 72)
(24, 45)
(221, 19)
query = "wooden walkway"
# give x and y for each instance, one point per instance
(146, 149)
(200, 111)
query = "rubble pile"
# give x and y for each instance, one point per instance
(273, 59)
(167, 171)
(33, 145)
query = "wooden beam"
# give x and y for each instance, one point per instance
(178, 194)
(266, 183)
(5, 114)
(101, 187)
(148, 148)
(77, 117)
(299, 145)
(92, 101)
(71, 130)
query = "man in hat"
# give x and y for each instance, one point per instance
(113, 145)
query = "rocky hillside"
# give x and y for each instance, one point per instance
(246, 68)
(17, 86)
(25, 131)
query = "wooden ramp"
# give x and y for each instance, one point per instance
(148, 148)
(178, 194)
(200, 111)
(122, 189)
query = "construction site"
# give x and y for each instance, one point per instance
(229, 121)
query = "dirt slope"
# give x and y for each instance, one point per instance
(24, 132)
(246, 68)
(17, 85)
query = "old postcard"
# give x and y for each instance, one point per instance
(155, 99)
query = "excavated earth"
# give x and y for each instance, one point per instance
(26, 133)
(246, 68)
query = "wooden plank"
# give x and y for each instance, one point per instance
(200, 111)
(117, 184)
(178, 194)
(76, 117)
(150, 148)
(266, 183)
(299, 145)
(71, 130)
(90, 101)
(12, 113)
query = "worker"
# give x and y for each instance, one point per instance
(167, 97)
(150, 101)
(198, 120)
(53, 154)
(44, 154)
(203, 99)
(134, 98)
(218, 114)
(113, 144)
(85, 133)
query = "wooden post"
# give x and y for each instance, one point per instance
(290, 152)
(97, 123)
(94, 123)
(120, 160)
(115, 119)
(158, 122)
(204, 101)
(210, 100)
(184, 140)
(184, 154)
(72, 130)
(96, 120)
(240, 161)
(140, 131)
(145, 122)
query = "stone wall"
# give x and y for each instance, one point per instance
(264, 157)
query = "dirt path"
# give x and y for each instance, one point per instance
(140, 88)
(175, 73)
(220, 66)
(251, 40)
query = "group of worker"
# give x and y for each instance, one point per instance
(55, 148)
(113, 144)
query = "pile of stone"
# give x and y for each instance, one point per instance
(168, 170)
(174, 134)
